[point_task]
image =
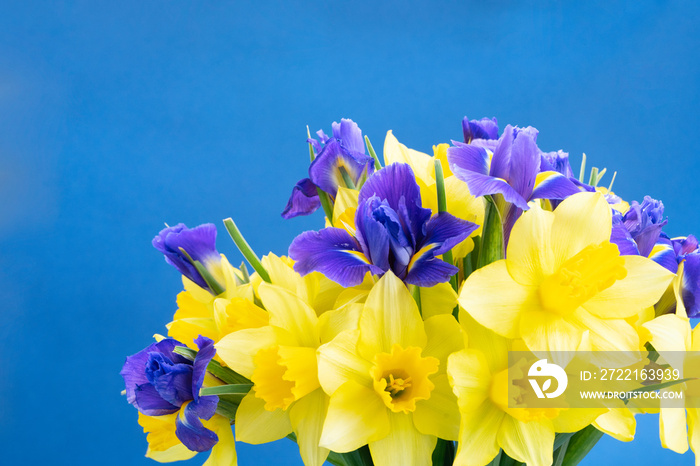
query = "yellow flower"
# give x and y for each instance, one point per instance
(200, 313)
(387, 380)
(672, 334)
(280, 359)
(561, 278)
(165, 447)
(480, 377)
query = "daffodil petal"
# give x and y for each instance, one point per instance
(444, 338)
(493, 346)
(256, 425)
(607, 334)
(439, 414)
(478, 431)
(694, 430)
(338, 362)
(618, 423)
(547, 332)
(579, 221)
(390, 317)
(307, 416)
(573, 420)
(530, 257)
(178, 452)
(672, 429)
(356, 416)
(438, 299)
(289, 312)
(670, 333)
(237, 349)
(644, 284)
(495, 300)
(186, 330)
(331, 323)
(224, 452)
(188, 306)
(405, 445)
(469, 374)
(529, 442)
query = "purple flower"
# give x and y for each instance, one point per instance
(198, 242)
(392, 232)
(486, 128)
(642, 225)
(513, 171)
(159, 381)
(346, 151)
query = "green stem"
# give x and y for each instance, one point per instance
(442, 207)
(560, 453)
(326, 204)
(582, 173)
(491, 248)
(377, 163)
(217, 370)
(245, 249)
(346, 178)
(415, 292)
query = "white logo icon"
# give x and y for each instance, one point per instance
(542, 369)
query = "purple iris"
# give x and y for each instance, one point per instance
(687, 252)
(160, 381)
(198, 242)
(486, 128)
(638, 232)
(511, 172)
(346, 151)
(392, 232)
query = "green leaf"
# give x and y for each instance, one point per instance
(560, 452)
(491, 248)
(232, 389)
(228, 406)
(444, 453)
(209, 279)
(377, 163)
(659, 386)
(359, 457)
(580, 444)
(245, 249)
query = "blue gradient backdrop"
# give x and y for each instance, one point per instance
(117, 117)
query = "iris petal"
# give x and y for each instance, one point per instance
(190, 430)
(334, 253)
(303, 201)
(201, 361)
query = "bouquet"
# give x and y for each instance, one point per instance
(481, 305)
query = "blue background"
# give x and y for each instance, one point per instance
(115, 118)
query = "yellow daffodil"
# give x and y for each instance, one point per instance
(561, 278)
(165, 447)
(201, 313)
(489, 421)
(280, 360)
(672, 334)
(387, 380)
